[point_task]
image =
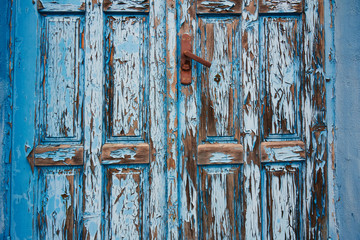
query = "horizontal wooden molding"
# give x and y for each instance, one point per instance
(282, 151)
(114, 153)
(59, 155)
(60, 6)
(220, 153)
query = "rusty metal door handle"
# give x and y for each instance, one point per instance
(186, 56)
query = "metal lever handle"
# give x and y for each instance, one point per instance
(197, 58)
(186, 56)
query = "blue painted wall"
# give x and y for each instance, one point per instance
(5, 117)
(347, 120)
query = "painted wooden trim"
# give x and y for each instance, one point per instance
(58, 6)
(283, 151)
(219, 6)
(282, 6)
(126, 6)
(60, 155)
(113, 153)
(218, 153)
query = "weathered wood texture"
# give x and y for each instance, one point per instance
(314, 119)
(172, 162)
(218, 153)
(219, 42)
(93, 120)
(61, 78)
(126, 5)
(60, 155)
(281, 202)
(58, 207)
(251, 212)
(219, 6)
(188, 129)
(125, 153)
(126, 75)
(157, 120)
(219, 195)
(281, 151)
(61, 5)
(125, 199)
(281, 6)
(281, 71)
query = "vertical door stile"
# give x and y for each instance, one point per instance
(251, 207)
(172, 124)
(157, 106)
(188, 130)
(93, 120)
(314, 119)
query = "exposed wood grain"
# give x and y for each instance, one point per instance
(61, 5)
(219, 6)
(126, 75)
(61, 65)
(251, 212)
(188, 130)
(113, 153)
(93, 120)
(281, 69)
(283, 151)
(281, 201)
(281, 6)
(314, 119)
(172, 162)
(219, 203)
(157, 121)
(58, 207)
(60, 155)
(213, 154)
(219, 42)
(125, 203)
(126, 5)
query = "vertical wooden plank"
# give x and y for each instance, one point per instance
(125, 213)
(25, 85)
(188, 129)
(219, 192)
(281, 201)
(251, 225)
(172, 123)
(314, 110)
(58, 203)
(93, 119)
(157, 122)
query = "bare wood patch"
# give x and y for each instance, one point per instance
(125, 153)
(282, 151)
(220, 154)
(281, 6)
(126, 5)
(61, 155)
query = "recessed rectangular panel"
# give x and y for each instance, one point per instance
(126, 5)
(58, 203)
(281, 201)
(219, 6)
(219, 202)
(61, 5)
(219, 43)
(126, 76)
(61, 66)
(281, 6)
(125, 208)
(281, 65)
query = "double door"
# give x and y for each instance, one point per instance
(108, 143)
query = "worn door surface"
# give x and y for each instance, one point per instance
(108, 144)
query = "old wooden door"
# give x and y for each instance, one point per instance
(109, 145)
